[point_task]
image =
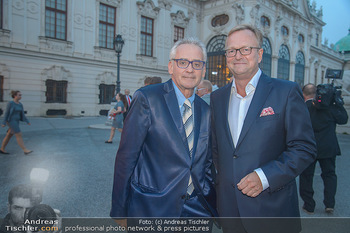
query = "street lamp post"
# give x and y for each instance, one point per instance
(118, 44)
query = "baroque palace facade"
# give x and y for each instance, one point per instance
(60, 53)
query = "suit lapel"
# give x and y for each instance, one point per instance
(171, 101)
(197, 123)
(224, 108)
(261, 92)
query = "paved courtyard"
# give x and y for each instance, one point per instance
(81, 167)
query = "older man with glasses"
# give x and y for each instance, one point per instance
(163, 164)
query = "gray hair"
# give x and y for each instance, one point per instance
(189, 40)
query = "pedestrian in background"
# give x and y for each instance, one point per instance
(204, 89)
(152, 80)
(128, 98)
(324, 121)
(117, 114)
(14, 113)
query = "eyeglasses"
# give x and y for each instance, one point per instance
(200, 89)
(183, 64)
(244, 51)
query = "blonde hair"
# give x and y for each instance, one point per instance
(251, 28)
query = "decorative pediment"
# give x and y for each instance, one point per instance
(58, 73)
(147, 8)
(106, 78)
(4, 70)
(165, 4)
(115, 3)
(179, 18)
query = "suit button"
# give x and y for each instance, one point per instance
(235, 156)
(183, 196)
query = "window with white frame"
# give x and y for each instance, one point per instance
(146, 36)
(56, 19)
(107, 24)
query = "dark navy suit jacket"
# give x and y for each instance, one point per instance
(153, 166)
(282, 145)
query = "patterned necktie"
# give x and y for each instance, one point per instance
(187, 120)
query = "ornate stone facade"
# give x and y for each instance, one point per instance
(28, 56)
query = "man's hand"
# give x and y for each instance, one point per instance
(121, 222)
(250, 185)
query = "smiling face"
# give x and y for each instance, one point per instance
(186, 79)
(243, 67)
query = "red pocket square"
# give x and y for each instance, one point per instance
(267, 112)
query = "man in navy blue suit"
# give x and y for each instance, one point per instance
(262, 140)
(163, 164)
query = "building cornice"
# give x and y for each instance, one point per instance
(84, 61)
(327, 54)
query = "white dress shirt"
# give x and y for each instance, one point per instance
(237, 111)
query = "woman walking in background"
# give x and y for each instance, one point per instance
(14, 113)
(117, 113)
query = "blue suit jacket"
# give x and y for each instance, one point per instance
(282, 145)
(153, 165)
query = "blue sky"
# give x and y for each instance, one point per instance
(336, 15)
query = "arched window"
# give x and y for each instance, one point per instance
(217, 72)
(283, 63)
(301, 38)
(299, 69)
(265, 64)
(265, 22)
(284, 31)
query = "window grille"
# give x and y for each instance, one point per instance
(283, 63)
(217, 71)
(299, 69)
(265, 64)
(56, 91)
(179, 33)
(107, 92)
